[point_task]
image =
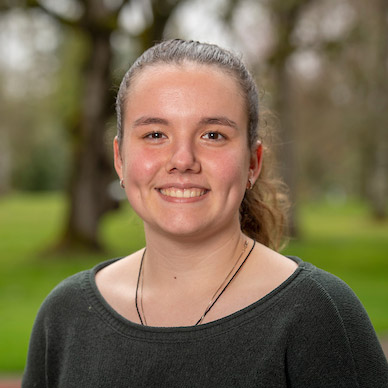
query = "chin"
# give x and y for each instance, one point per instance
(182, 230)
(179, 228)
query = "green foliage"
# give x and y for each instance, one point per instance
(44, 164)
(340, 239)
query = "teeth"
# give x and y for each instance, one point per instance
(185, 193)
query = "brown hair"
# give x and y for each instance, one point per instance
(262, 211)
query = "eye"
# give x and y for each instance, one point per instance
(155, 136)
(214, 136)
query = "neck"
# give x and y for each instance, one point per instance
(187, 262)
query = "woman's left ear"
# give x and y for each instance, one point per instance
(256, 162)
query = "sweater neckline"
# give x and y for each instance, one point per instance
(129, 328)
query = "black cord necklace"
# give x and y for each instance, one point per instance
(212, 301)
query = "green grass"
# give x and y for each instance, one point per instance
(340, 239)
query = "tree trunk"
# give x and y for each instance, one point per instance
(92, 170)
(285, 150)
(285, 16)
(378, 102)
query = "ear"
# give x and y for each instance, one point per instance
(118, 161)
(256, 162)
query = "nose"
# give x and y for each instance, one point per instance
(183, 158)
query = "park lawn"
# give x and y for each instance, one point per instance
(341, 239)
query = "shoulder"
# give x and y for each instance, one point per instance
(323, 296)
(326, 289)
(333, 333)
(70, 295)
(64, 298)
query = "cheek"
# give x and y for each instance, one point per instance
(140, 166)
(231, 168)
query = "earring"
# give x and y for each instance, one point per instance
(250, 184)
(122, 183)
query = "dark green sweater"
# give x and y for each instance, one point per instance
(311, 331)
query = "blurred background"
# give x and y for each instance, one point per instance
(322, 70)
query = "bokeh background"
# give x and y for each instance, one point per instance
(322, 70)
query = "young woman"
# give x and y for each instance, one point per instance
(208, 302)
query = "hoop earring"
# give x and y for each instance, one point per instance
(122, 183)
(250, 184)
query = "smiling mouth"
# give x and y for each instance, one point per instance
(182, 193)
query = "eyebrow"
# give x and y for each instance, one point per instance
(219, 120)
(146, 120)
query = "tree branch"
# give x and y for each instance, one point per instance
(59, 18)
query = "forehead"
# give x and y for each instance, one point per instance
(184, 74)
(206, 89)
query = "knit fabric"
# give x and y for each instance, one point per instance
(311, 331)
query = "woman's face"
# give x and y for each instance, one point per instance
(185, 158)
